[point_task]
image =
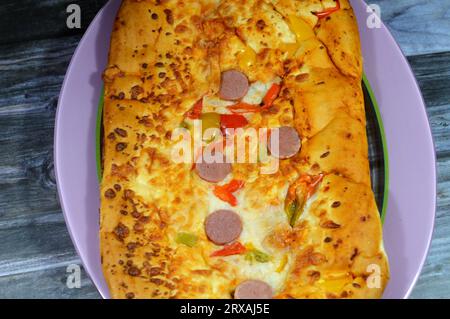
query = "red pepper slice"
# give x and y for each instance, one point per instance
(271, 95)
(242, 107)
(196, 110)
(315, 180)
(325, 13)
(311, 183)
(235, 248)
(232, 121)
(234, 185)
(225, 196)
(268, 100)
(225, 192)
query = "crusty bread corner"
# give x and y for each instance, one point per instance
(164, 56)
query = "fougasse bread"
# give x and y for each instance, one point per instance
(199, 229)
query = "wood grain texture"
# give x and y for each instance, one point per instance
(31, 20)
(46, 283)
(419, 26)
(433, 74)
(35, 247)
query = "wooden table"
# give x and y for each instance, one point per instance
(35, 49)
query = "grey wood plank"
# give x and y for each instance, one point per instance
(439, 117)
(34, 242)
(30, 19)
(41, 243)
(434, 281)
(433, 72)
(32, 74)
(419, 26)
(48, 284)
(24, 81)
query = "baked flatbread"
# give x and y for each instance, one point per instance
(192, 229)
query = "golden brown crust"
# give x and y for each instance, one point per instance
(167, 54)
(344, 242)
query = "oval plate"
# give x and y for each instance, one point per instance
(412, 184)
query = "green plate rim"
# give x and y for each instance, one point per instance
(384, 145)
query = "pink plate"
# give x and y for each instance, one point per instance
(412, 182)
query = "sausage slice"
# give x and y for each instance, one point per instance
(288, 142)
(233, 85)
(213, 172)
(223, 226)
(253, 289)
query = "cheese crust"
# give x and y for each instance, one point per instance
(165, 56)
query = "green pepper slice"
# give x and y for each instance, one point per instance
(186, 239)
